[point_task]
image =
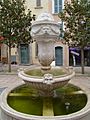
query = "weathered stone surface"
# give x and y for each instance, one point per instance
(45, 31)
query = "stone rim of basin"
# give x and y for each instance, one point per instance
(8, 110)
(68, 75)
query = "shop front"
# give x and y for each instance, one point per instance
(75, 56)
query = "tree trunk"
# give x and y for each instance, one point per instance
(82, 60)
(9, 60)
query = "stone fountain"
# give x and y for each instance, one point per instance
(45, 31)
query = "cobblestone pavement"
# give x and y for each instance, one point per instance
(81, 81)
(8, 80)
(16, 67)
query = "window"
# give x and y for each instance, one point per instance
(57, 6)
(38, 3)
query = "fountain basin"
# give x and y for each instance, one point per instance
(7, 113)
(66, 100)
(51, 81)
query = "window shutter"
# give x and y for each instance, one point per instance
(55, 6)
(60, 6)
(38, 3)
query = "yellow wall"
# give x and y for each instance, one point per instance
(46, 6)
(59, 43)
(31, 4)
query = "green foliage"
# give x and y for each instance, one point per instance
(76, 16)
(15, 24)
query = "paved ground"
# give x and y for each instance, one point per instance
(4, 68)
(7, 80)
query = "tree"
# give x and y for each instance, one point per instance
(15, 24)
(76, 17)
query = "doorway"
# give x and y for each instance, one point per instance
(24, 53)
(58, 56)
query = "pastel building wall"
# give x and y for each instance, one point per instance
(32, 5)
(53, 7)
(37, 10)
(27, 54)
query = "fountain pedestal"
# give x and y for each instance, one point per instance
(45, 31)
(45, 54)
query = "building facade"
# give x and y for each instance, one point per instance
(53, 7)
(27, 54)
(63, 54)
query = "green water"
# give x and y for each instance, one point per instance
(28, 105)
(38, 72)
(27, 100)
(77, 102)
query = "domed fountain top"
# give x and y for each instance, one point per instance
(45, 16)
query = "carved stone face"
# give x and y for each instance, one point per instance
(46, 29)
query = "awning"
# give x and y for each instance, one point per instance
(76, 48)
